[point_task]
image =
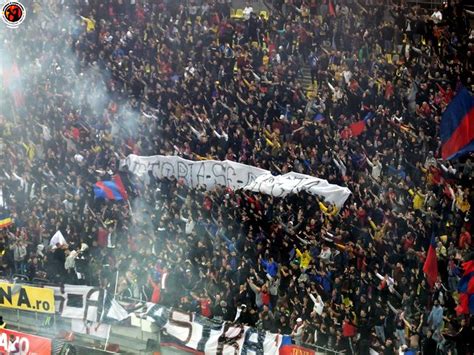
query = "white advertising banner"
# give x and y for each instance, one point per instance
(209, 173)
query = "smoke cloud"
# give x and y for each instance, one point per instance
(49, 66)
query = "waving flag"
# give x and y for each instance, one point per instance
(332, 11)
(357, 128)
(430, 268)
(457, 126)
(466, 290)
(5, 220)
(111, 190)
(466, 284)
(468, 267)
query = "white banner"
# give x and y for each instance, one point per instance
(86, 303)
(209, 173)
(214, 337)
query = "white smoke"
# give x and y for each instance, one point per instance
(43, 50)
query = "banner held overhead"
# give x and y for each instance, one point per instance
(211, 173)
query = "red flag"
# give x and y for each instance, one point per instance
(468, 267)
(357, 128)
(118, 181)
(463, 306)
(348, 330)
(332, 12)
(430, 268)
(470, 286)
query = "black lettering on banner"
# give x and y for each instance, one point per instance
(308, 186)
(137, 167)
(155, 168)
(219, 171)
(61, 299)
(229, 341)
(200, 175)
(273, 191)
(207, 326)
(46, 305)
(93, 303)
(5, 295)
(268, 180)
(205, 335)
(42, 304)
(182, 170)
(160, 315)
(23, 298)
(190, 174)
(229, 180)
(250, 186)
(250, 178)
(127, 162)
(182, 324)
(295, 187)
(254, 346)
(167, 170)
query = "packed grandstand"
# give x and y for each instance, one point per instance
(295, 169)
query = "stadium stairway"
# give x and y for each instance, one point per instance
(305, 80)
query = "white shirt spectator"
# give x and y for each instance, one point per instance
(437, 16)
(347, 76)
(325, 254)
(189, 225)
(318, 304)
(70, 262)
(376, 166)
(79, 158)
(247, 11)
(298, 330)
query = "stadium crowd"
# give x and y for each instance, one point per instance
(106, 79)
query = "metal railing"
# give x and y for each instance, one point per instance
(320, 349)
(431, 4)
(131, 340)
(49, 325)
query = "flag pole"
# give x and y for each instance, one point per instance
(115, 293)
(130, 209)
